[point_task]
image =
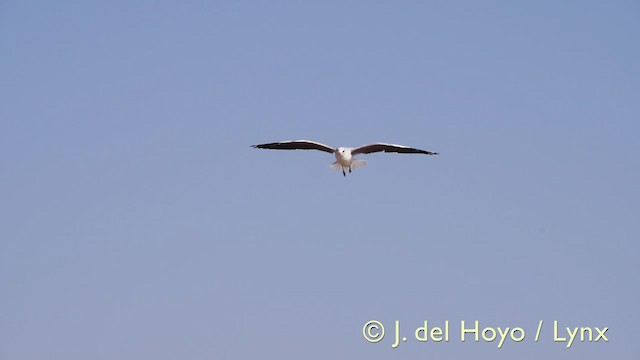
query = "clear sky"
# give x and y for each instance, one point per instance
(137, 222)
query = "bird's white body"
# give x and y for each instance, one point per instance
(344, 155)
(345, 160)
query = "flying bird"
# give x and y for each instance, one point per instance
(344, 155)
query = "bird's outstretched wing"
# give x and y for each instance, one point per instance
(377, 147)
(295, 145)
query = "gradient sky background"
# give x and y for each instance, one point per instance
(137, 222)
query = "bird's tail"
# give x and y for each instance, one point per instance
(356, 164)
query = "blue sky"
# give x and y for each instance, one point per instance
(136, 221)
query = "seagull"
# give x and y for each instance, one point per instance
(344, 155)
